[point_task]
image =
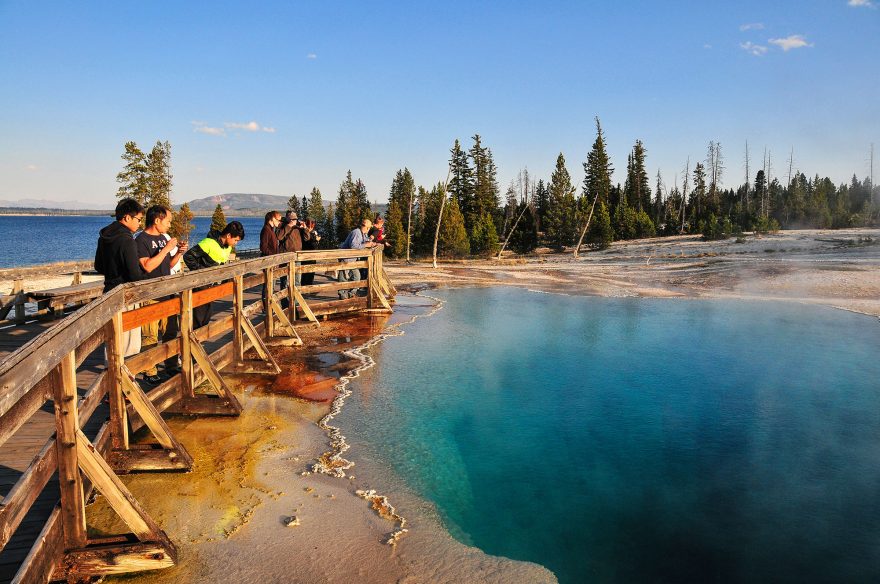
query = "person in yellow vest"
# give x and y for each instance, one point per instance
(214, 250)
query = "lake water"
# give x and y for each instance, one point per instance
(633, 440)
(45, 238)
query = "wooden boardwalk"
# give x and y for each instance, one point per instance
(68, 404)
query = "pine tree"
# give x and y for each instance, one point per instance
(636, 188)
(453, 237)
(360, 203)
(560, 209)
(399, 199)
(394, 231)
(542, 201)
(303, 207)
(600, 234)
(345, 217)
(461, 183)
(484, 239)
(315, 207)
(159, 179)
(293, 205)
(218, 220)
(327, 229)
(598, 169)
(485, 182)
(133, 178)
(181, 225)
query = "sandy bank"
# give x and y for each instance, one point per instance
(838, 268)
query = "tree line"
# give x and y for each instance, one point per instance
(467, 215)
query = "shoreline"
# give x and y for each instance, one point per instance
(255, 495)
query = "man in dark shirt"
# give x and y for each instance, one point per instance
(116, 258)
(269, 246)
(153, 249)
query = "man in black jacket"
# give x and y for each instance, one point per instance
(117, 259)
(212, 251)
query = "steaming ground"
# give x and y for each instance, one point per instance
(835, 268)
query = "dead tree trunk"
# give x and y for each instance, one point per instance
(577, 248)
(440, 218)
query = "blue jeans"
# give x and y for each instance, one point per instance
(348, 276)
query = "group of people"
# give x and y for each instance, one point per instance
(292, 234)
(122, 258)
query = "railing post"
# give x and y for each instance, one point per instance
(115, 359)
(237, 333)
(73, 510)
(291, 284)
(268, 290)
(371, 275)
(186, 327)
(18, 290)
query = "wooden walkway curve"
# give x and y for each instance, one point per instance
(68, 402)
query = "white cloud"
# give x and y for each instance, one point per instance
(31, 168)
(203, 128)
(794, 41)
(249, 127)
(312, 56)
(753, 49)
(861, 3)
(707, 46)
(752, 26)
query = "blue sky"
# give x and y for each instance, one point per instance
(280, 97)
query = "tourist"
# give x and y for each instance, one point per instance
(310, 242)
(357, 239)
(269, 246)
(212, 251)
(290, 238)
(377, 233)
(154, 249)
(116, 259)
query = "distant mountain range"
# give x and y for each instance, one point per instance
(242, 204)
(46, 204)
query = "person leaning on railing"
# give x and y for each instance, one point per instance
(357, 239)
(116, 259)
(212, 251)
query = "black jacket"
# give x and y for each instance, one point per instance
(116, 257)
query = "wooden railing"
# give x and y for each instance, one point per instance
(45, 369)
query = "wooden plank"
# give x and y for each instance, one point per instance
(268, 290)
(213, 375)
(115, 361)
(334, 286)
(73, 511)
(331, 254)
(30, 363)
(19, 499)
(151, 417)
(304, 306)
(311, 268)
(118, 559)
(132, 319)
(237, 304)
(276, 308)
(38, 564)
(117, 495)
(186, 325)
(260, 347)
(202, 297)
(291, 288)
